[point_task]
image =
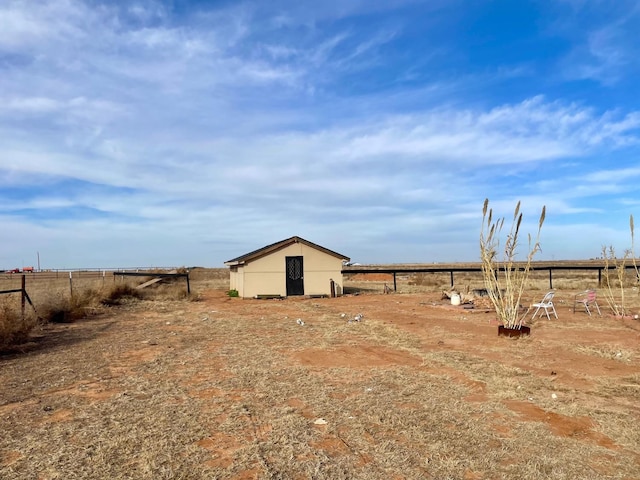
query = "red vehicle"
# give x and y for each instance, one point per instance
(15, 270)
(27, 269)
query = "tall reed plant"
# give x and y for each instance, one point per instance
(504, 277)
(614, 274)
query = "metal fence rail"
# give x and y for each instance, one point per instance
(49, 274)
(451, 269)
(24, 297)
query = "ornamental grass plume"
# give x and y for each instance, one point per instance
(616, 281)
(504, 278)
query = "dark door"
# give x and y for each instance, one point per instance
(295, 278)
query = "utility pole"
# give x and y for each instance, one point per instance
(38, 260)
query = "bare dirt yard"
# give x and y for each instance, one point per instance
(226, 388)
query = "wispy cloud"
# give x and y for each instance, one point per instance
(227, 128)
(604, 38)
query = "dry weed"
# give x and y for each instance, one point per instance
(15, 326)
(613, 352)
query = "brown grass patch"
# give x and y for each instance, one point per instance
(230, 388)
(15, 325)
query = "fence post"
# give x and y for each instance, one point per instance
(188, 286)
(23, 294)
(71, 284)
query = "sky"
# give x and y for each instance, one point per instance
(186, 133)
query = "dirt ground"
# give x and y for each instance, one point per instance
(240, 389)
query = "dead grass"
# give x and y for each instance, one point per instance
(61, 300)
(231, 389)
(613, 352)
(15, 326)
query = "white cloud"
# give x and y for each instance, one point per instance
(214, 125)
(613, 175)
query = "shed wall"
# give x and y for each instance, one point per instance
(267, 275)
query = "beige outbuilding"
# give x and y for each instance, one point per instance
(294, 266)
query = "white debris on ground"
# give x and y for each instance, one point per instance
(320, 421)
(300, 322)
(355, 318)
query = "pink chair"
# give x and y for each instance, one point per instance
(588, 300)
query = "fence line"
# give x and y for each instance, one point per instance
(48, 274)
(23, 297)
(157, 275)
(403, 269)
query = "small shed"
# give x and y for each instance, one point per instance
(294, 266)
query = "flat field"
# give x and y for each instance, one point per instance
(226, 388)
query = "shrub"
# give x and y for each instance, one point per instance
(233, 293)
(117, 294)
(63, 309)
(14, 327)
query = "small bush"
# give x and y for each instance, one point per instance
(118, 294)
(14, 329)
(233, 293)
(62, 309)
(59, 308)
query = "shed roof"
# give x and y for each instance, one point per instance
(274, 247)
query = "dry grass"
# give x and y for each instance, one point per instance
(230, 389)
(57, 298)
(613, 352)
(15, 326)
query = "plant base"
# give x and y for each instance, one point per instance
(513, 332)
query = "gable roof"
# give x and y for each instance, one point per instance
(274, 247)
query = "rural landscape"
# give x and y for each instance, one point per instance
(375, 384)
(340, 240)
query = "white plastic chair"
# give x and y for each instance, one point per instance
(546, 304)
(588, 300)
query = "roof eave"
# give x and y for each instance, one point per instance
(232, 263)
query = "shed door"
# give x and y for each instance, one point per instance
(295, 279)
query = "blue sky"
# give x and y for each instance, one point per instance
(146, 133)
